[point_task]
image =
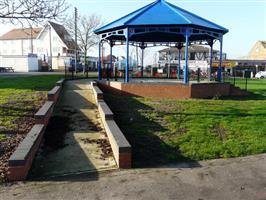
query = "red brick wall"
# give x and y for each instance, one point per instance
(175, 91)
(209, 90)
(171, 90)
(125, 160)
(21, 172)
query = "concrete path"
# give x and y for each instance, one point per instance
(225, 179)
(85, 144)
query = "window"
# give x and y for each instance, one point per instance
(39, 50)
(56, 49)
(192, 56)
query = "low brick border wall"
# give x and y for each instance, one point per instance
(20, 162)
(120, 146)
(98, 94)
(53, 94)
(171, 90)
(44, 113)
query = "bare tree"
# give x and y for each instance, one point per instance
(17, 11)
(86, 24)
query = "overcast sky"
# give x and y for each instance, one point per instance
(245, 19)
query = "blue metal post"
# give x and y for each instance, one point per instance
(109, 69)
(127, 59)
(186, 79)
(219, 75)
(178, 67)
(99, 63)
(211, 52)
(142, 60)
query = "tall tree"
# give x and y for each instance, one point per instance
(32, 11)
(86, 24)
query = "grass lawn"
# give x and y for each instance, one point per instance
(20, 98)
(165, 130)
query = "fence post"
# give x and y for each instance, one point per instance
(234, 74)
(246, 83)
(198, 75)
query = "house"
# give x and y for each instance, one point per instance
(255, 61)
(199, 57)
(50, 45)
(258, 51)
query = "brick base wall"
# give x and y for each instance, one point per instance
(171, 90)
(176, 91)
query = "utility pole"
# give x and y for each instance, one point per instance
(51, 54)
(31, 40)
(76, 40)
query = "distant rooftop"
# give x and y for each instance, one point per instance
(21, 33)
(192, 48)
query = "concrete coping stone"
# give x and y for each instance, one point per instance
(121, 141)
(97, 91)
(47, 106)
(93, 83)
(20, 156)
(105, 111)
(60, 82)
(54, 90)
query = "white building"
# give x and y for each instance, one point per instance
(199, 57)
(31, 49)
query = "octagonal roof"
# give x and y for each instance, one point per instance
(161, 13)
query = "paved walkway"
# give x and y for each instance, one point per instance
(225, 179)
(85, 143)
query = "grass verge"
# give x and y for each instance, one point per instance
(165, 130)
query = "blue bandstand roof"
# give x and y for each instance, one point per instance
(161, 13)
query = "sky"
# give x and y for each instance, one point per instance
(245, 19)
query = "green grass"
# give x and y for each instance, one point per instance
(19, 99)
(165, 130)
(257, 86)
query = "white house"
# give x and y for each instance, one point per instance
(30, 49)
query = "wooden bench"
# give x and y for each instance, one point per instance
(44, 113)
(19, 164)
(7, 69)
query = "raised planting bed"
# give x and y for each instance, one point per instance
(44, 113)
(120, 146)
(21, 160)
(98, 94)
(21, 97)
(53, 94)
